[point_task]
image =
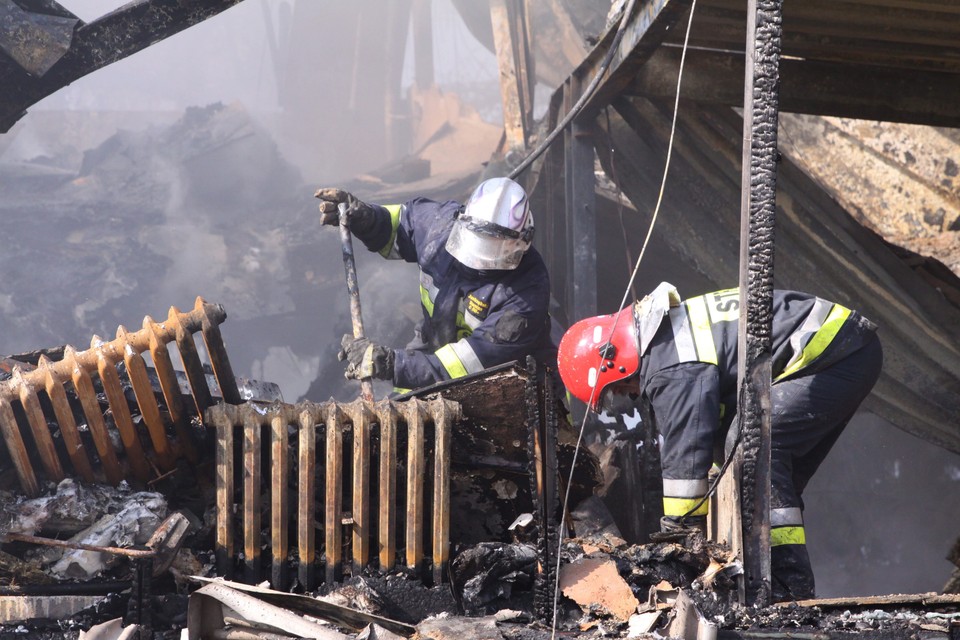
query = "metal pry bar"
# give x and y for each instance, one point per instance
(353, 287)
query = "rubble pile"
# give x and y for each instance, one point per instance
(607, 587)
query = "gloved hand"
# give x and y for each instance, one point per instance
(361, 218)
(365, 359)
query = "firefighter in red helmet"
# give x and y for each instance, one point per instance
(679, 357)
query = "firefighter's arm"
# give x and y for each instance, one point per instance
(685, 400)
(511, 331)
(375, 225)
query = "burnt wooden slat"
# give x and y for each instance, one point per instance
(219, 361)
(926, 52)
(645, 30)
(91, 410)
(170, 387)
(76, 450)
(361, 415)
(413, 411)
(306, 499)
(387, 521)
(149, 409)
(38, 426)
(508, 18)
(191, 362)
(224, 492)
(110, 379)
(333, 518)
(444, 415)
(252, 478)
(18, 450)
(580, 208)
(279, 501)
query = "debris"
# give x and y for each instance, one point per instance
(487, 575)
(375, 632)
(447, 628)
(597, 583)
(314, 607)
(217, 607)
(70, 509)
(641, 623)
(592, 519)
(111, 630)
(132, 525)
(662, 596)
(688, 623)
(20, 608)
(167, 540)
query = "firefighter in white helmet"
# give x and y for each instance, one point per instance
(484, 290)
(679, 359)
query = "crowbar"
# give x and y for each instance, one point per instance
(353, 287)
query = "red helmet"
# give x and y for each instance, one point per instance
(596, 352)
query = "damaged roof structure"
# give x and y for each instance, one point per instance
(404, 514)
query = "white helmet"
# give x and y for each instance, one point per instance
(496, 227)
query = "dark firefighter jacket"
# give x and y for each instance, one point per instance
(472, 320)
(688, 375)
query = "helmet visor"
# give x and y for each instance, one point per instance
(485, 245)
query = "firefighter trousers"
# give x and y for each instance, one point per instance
(808, 415)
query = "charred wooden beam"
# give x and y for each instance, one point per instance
(845, 90)
(645, 30)
(112, 37)
(35, 40)
(580, 209)
(758, 203)
(510, 31)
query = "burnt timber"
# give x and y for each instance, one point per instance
(45, 47)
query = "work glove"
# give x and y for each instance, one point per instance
(361, 218)
(365, 359)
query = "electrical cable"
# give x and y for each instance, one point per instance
(587, 94)
(626, 294)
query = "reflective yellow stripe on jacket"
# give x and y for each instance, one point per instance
(692, 334)
(815, 335)
(459, 359)
(389, 250)
(428, 292)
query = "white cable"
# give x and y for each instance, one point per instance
(623, 301)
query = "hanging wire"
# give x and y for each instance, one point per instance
(626, 293)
